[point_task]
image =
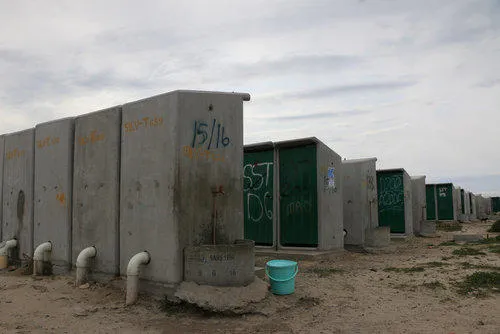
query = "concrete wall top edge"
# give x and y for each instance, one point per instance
(264, 146)
(18, 132)
(55, 121)
(353, 161)
(244, 96)
(392, 170)
(418, 177)
(118, 107)
(297, 142)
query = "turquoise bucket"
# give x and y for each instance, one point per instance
(282, 274)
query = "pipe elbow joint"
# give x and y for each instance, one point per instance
(41, 250)
(83, 259)
(142, 258)
(9, 244)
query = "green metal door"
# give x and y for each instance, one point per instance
(258, 181)
(298, 197)
(445, 201)
(391, 200)
(430, 191)
(495, 204)
(463, 200)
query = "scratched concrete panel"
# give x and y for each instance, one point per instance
(418, 202)
(18, 190)
(177, 148)
(330, 204)
(2, 154)
(96, 187)
(360, 198)
(53, 189)
(408, 203)
(457, 202)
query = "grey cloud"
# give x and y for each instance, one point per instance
(489, 83)
(322, 115)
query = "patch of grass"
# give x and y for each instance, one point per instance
(448, 243)
(495, 249)
(480, 283)
(465, 251)
(436, 264)
(434, 285)
(405, 270)
(446, 258)
(324, 272)
(488, 241)
(467, 265)
(495, 227)
(449, 227)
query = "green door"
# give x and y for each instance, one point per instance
(463, 200)
(298, 197)
(430, 191)
(258, 181)
(445, 201)
(495, 204)
(391, 200)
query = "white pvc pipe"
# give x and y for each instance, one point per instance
(42, 255)
(133, 275)
(9, 244)
(83, 264)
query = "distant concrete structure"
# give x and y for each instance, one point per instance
(418, 202)
(473, 206)
(395, 201)
(360, 199)
(457, 200)
(96, 197)
(53, 192)
(2, 158)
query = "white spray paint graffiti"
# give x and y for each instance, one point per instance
(391, 194)
(255, 180)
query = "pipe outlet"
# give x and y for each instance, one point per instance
(9, 244)
(83, 264)
(142, 258)
(41, 258)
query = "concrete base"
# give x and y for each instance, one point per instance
(467, 237)
(221, 265)
(295, 254)
(428, 228)
(378, 237)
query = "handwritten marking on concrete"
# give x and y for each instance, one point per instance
(61, 197)
(94, 137)
(201, 154)
(15, 153)
(143, 123)
(47, 141)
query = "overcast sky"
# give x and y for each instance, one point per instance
(414, 83)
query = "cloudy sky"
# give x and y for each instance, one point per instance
(414, 83)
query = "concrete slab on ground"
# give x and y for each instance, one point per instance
(296, 254)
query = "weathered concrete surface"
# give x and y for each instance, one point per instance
(378, 237)
(18, 191)
(2, 158)
(360, 199)
(237, 300)
(96, 187)
(457, 200)
(181, 151)
(222, 265)
(467, 237)
(418, 202)
(54, 189)
(428, 228)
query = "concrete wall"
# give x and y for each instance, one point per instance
(359, 198)
(418, 202)
(467, 205)
(178, 150)
(18, 191)
(457, 203)
(96, 187)
(2, 156)
(473, 206)
(408, 203)
(53, 189)
(330, 204)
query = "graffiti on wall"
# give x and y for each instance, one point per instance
(391, 194)
(299, 207)
(47, 141)
(442, 191)
(143, 123)
(328, 173)
(94, 137)
(15, 153)
(257, 188)
(207, 136)
(201, 154)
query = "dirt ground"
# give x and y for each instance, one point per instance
(351, 292)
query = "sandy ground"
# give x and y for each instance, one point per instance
(345, 293)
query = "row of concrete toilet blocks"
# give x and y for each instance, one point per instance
(153, 190)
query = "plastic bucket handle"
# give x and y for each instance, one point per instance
(286, 279)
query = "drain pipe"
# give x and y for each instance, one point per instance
(4, 252)
(83, 264)
(41, 256)
(133, 275)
